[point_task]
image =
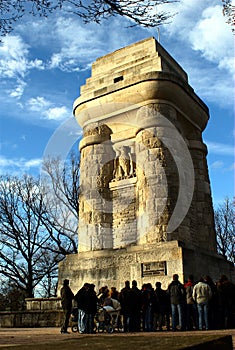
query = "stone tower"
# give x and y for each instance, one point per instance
(145, 204)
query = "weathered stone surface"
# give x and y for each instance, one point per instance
(114, 266)
(31, 318)
(43, 303)
(145, 189)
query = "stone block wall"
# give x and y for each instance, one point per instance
(40, 312)
(96, 172)
(144, 175)
(147, 263)
(114, 267)
(43, 303)
(31, 318)
(156, 116)
(123, 197)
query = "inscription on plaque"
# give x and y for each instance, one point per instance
(153, 268)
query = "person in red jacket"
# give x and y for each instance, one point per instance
(191, 307)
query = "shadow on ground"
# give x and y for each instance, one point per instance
(126, 342)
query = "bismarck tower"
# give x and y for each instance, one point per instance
(145, 204)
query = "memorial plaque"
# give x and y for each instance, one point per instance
(153, 268)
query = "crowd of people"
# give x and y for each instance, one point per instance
(181, 307)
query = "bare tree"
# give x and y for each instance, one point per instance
(224, 225)
(140, 12)
(25, 242)
(13, 10)
(146, 13)
(61, 188)
(229, 12)
(38, 225)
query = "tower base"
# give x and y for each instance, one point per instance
(145, 264)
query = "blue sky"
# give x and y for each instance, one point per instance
(44, 62)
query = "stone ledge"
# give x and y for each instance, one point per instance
(31, 318)
(123, 183)
(43, 303)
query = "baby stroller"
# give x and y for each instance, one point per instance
(107, 319)
(74, 320)
(103, 321)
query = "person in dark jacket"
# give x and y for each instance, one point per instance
(163, 307)
(66, 302)
(136, 312)
(148, 306)
(213, 303)
(114, 293)
(102, 295)
(226, 292)
(90, 308)
(133, 303)
(80, 300)
(177, 297)
(123, 298)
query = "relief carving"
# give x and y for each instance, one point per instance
(124, 166)
(97, 129)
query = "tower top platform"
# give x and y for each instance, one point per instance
(144, 56)
(134, 74)
(128, 65)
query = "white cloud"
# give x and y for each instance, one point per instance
(18, 91)
(213, 38)
(46, 109)
(33, 163)
(217, 164)
(188, 12)
(38, 64)
(58, 42)
(220, 148)
(211, 84)
(15, 64)
(14, 60)
(70, 44)
(38, 104)
(57, 113)
(18, 165)
(79, 44)
(13, 53)
(200, 26)
(221, 167)
(4, 162)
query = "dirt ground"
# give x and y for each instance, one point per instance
(50, 338)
